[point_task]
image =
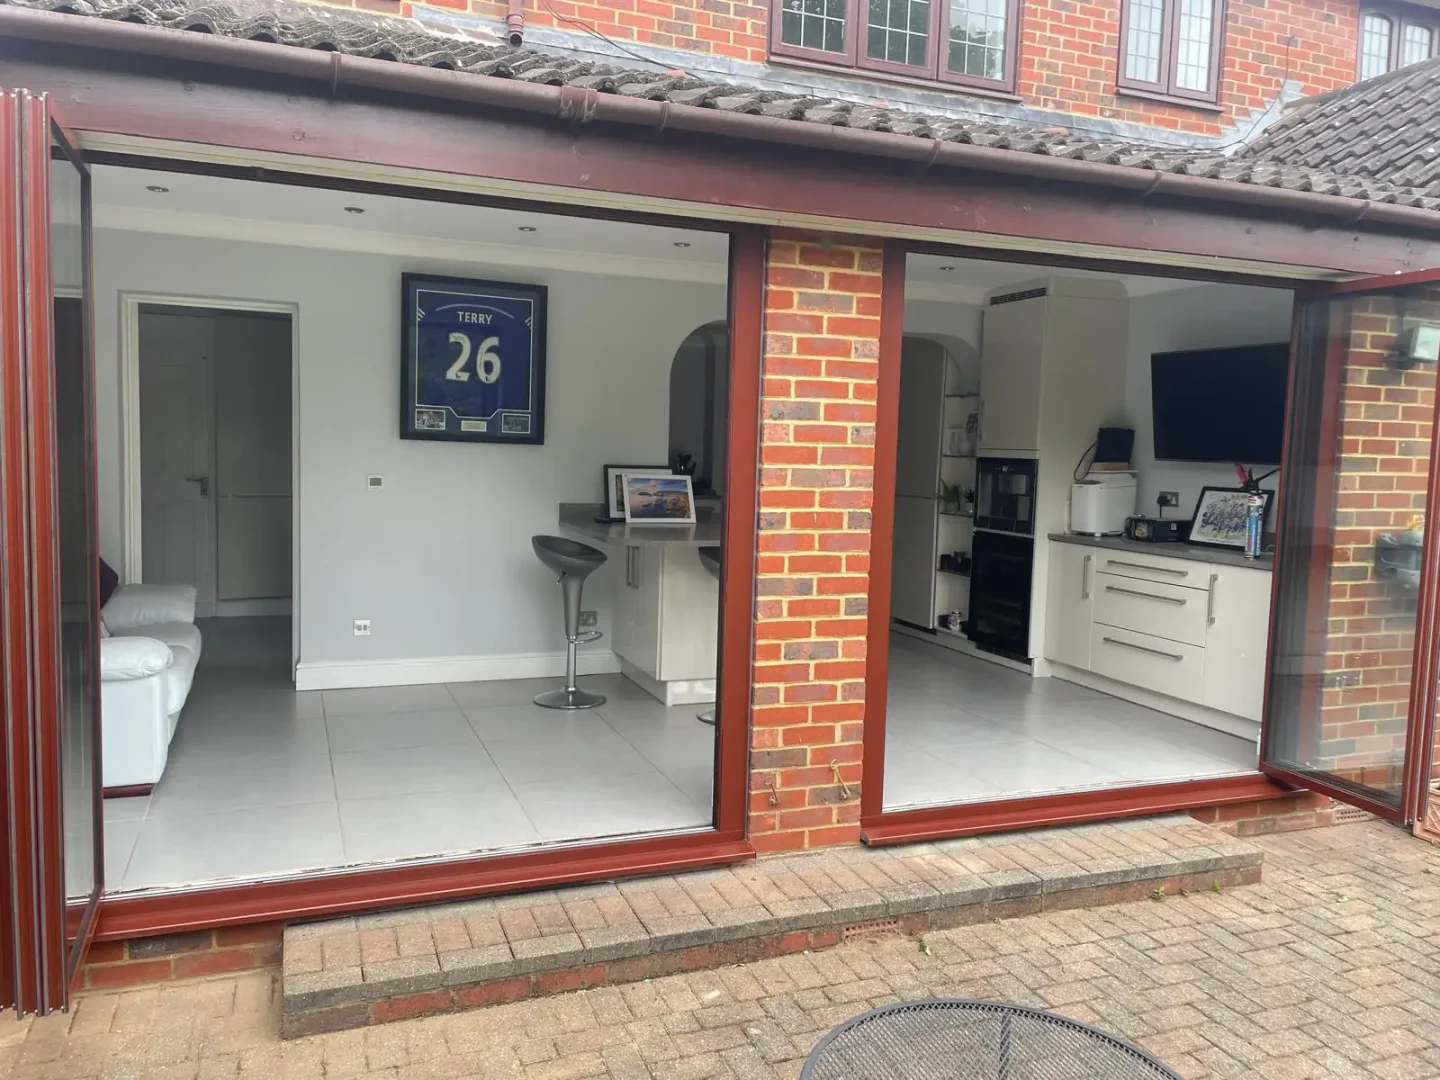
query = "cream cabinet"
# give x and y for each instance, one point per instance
(1235, 642)
(1185, 628)
(667, 613)
(1072, 602)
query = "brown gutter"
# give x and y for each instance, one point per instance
(515, 22)
(586, 105)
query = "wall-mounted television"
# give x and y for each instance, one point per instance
(1220, 404)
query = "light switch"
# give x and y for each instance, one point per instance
(374, 481)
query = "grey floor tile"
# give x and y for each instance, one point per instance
(244, 735)
(387, 699)
(126, 809)
(390, 731)
(434, 823)
(206, 784)
(364, 774)
(500, 691)
(189, 848)
(605, 804)
(528, 722)
(120, 837)
(579, 755)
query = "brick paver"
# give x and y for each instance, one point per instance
(1331, 968)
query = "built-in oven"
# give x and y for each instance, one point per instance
(1005, 495)
(1000, 576)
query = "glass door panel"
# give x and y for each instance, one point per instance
(1352, 628)
(74, 421)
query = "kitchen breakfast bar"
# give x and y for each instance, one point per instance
(666, 619)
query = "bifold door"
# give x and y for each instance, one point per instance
(1351, 685)
(51, 872)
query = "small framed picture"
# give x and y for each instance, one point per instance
(613, 485)
(1220, 514)
(659, 500)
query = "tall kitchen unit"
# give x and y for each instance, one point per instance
(1052, 373)
(932, 405)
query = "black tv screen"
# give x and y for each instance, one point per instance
(1220, 404)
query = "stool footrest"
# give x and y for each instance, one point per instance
(588, 636)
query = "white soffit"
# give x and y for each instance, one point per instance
(332, 168)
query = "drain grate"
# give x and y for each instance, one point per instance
(869, 929)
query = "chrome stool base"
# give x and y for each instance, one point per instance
(706, 717)
(569, 698)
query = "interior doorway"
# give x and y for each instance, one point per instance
(215, 456)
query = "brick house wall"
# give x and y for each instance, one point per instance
(1385, 431)
(1068, 55)
(817, 458)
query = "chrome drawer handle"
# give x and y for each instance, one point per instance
(1085, 578)
(1146, 595)
(1147, 566)
(1143, 648)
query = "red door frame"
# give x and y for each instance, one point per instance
(879, 826)
(434, 880)
(1419, 735)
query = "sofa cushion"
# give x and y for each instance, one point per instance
(178, 677)
(178, 635)
(133, 657)
(135, 606)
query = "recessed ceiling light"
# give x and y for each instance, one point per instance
(157, 189)
(682, 243)
(354, 209)
(527, 228)
(947, 269)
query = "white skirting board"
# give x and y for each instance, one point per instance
(420, 670)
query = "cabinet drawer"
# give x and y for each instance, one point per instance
(1182, 572)
(1167, 667)
(1151, 607)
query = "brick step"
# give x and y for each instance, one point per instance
(350, 972)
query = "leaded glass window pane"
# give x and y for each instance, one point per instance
(1197, 35)
(1417, 44)
(813, 24)
(1144, 40)
(977, 38)
(1375, 31)
(898, 31)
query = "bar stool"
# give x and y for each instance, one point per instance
(574, 562)
(710, 559)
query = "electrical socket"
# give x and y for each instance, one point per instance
(589, 619)
(1168, 498)
(362, 627)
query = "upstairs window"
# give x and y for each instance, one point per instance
(966, 42)
(1171, 48)
(1395, 37)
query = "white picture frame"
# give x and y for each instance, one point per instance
(665, 499)
(614, 487)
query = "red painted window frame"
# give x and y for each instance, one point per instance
(1164, 88)
(933, 71)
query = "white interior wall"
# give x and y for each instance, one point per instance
(1200, 317)
(439, 559)
(955, 326)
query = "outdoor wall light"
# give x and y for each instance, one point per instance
(1416, 345)
(354, 209)
(527, 228)
(157, 189)
(946, 269)
(682, 243)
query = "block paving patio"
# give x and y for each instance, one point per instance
(1329, 968)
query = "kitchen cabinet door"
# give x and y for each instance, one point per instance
(1010, 369)
(637, 622)
(1072, 604)
(1235, 641)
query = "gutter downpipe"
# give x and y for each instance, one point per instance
(515, 22)
(589, 105)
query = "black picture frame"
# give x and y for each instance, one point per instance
(472, 360)
(1237, 536)
(613, 501)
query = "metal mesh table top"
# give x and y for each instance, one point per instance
(974, 1040)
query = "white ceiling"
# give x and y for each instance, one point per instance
(250, 210)
(317, 217)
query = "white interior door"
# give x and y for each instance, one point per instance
(176, 487)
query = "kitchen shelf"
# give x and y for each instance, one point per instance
(952, 633)
(952, 573)
(956, 397)
(959, 457)
(956, 513)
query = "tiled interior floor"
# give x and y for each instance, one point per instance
(263, 781)
(959, 729)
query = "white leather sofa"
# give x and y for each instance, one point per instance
(148, 652)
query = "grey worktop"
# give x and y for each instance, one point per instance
(1195, 552)
(577, 520)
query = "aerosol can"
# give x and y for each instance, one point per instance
(1254, 511)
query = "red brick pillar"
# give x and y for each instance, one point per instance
(817, 453)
